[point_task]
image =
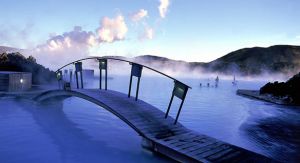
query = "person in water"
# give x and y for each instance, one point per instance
(234, 82)
(217, 81)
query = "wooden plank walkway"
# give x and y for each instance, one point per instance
(160, 134)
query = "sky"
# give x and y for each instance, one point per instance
(190, 30)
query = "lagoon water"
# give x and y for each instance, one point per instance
(75, 130)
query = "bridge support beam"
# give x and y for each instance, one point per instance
(163, 150)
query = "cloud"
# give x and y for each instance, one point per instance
(148, 34)
(69, 46)
(16, 36)
(78, 43)
(112, 29)
(73, 39)
(163, 7)
(139, 15)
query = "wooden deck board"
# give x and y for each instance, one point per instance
(175, 141)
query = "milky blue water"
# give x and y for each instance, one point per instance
(75, 130)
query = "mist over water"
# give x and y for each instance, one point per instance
(180, 69)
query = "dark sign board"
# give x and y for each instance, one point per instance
(78, 66)
(180, 90)
(102, 64)
(59, 75)
(136, 70)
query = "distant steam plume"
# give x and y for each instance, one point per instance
(163, 7)
(148, 34)
(76, 43)
(139, 15)
(112, 29)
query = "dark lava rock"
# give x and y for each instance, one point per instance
(289, 89)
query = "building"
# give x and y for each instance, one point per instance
(15, 81)
(88, 73)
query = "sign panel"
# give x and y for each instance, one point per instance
(102, 64)
(180, 90)
(136, 70)
(59, 75)
(78, 66)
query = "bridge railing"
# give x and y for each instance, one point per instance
(180, 89)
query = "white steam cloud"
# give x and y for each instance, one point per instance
(112, 29)
(77, 43)
(73, 39)
(139, 15)
(163, 7)
(66, 47)
(148, 34)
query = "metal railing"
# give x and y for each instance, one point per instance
(180, 89)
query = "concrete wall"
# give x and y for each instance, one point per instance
(88, 73)
(15, 81)
(4, 80)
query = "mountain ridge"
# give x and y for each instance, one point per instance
(245, 61)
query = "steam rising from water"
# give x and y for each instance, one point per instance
(180, 70)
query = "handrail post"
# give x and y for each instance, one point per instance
(136, 70)
(178, 113)
(137, 89)
(76, 75)
(170, 103)
(71, 75)
(103, 66)
(100, 80)
(65, 75)
(78, 68)
(130, 82)
(106, 78)
(81, 78)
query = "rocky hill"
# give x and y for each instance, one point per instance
(6, 49)
(247, 61)
(17, 62)
(257, 60)
(284, 59)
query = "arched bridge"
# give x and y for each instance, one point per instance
(161, 132)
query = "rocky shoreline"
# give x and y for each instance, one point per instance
(265, 97)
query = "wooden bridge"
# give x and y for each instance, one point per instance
(161, 133)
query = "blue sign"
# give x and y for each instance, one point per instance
(102, 64)
(136, 70)
(180, 90)
(59, 75)
(78, 66)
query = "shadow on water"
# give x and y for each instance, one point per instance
(73, 143)
(278, 133)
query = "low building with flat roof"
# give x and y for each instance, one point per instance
(11, 81)
(88, 73)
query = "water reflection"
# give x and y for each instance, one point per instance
(67, 140)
